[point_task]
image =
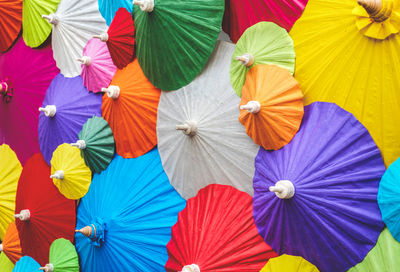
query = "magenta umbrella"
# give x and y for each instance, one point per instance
(25, 75)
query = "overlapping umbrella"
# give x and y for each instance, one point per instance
(199, 136)
(263, 43)
(11, 244)
(127, 221)
(216, 232)
(289, 263)
(26, 264)
(10, 22)
(62, 257)
(5, 264)
(343, 58)
(109, 8)
(316, 197)
(66, 107)
(174, 39)
(25, 74)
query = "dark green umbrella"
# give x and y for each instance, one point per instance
(175, 38)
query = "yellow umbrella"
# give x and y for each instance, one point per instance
(10, 170)
(288, 263)
(69, 172)
(349, 54)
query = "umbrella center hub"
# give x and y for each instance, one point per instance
(6, 91)
(246, 59)
(51, 18)
(189, 128)
(283, 189)
(1, 247)
(145, 5)
(59, 174)
(24, 215)
(48, 268)
(81, 144)
(112, 91)
(49, 110)
(191, 268)
(86, 60)
(252, 107)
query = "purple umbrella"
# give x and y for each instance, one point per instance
(66, 107)
(316, 197)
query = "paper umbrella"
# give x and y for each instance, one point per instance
(62, 257)
(288, 263)
(11, 244)
(10, 22)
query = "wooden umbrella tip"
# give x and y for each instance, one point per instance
(87, 231)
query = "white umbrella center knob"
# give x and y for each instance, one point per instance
(251, 106)
(47, 268)
(112, 91)
(283, 189)
(1, 247)
(23, 215)
(86, 60)
(189, 128)
(191, 268)
(59, 174)
(145, 5)
(49, 110)
(51, 18)
(103, 37)
(81, 144)
(246, 59)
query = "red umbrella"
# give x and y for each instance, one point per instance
(43, 214)
(216, 233)
(120, 38)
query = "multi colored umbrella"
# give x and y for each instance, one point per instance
(62, 257)
(5, 264)
(69, 172)
(96, 143)
(43, 214)
(25, 75)
(343, 58)
(216, 232)
(130, 227)
(108, 8)
(389, 200)
(289, 263)
(74, 23)
(66, 107)
(97, 66)
(263, 43)
(10, 170)
(26, 264)
(120, 38)
(316, 197)
(130, 107)
(240, 15)
(10, 22)
(383, 257)
(199, 136)
(36, 30)
(271, 108)
(174, 39)
(11, 244)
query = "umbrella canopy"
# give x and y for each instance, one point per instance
(263, 43)
(5, 264)
(97, 66)
(120, 38)
(331, 164)
(43, 214)
(271, 108)
(36, 30)
(389, 199)
(383, 257)
(289, 263)
(187, 32)
(130, 227)
(10, 22)
(69, 172)
(74, 23)
(10, 170)
(26, 264)
(216, 232)
(340, 63)
(199, 137)
(25, 74)
(66, 107)
(109, 8)
(11, 244)
(242, 14)
(96, 143)
(62, 257)
(130, 107)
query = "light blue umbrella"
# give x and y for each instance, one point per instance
(127, 215)
(108, 8)
(26, 264)
(389, 198)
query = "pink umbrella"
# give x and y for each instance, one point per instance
(97, 66)
(25, 75)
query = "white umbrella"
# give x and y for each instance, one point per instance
(199, 137)
(74, 23)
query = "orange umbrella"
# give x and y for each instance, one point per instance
(271, 108)
(130, 108)
(11, 244)
(10, 22)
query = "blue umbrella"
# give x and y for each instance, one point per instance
(127, 216)
(26, 264)
(108, 8)
(389, 198)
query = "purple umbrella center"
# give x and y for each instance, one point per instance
(283, 189)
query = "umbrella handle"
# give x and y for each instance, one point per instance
(246, 59)
(51, 18)
(112, 91)
(251, 106)
(86, 60)
(189, 128)
(47, 268)
(103, 37)
(49, 110)
(283, 189)
(23, 215)
(145, 5)
(81, 144)
(191, 268)
(59, 174)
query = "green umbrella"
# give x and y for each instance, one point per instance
(5, 264)
(383, 257)
(36, 30)
(96, 143)
(263, 43)
(62, 257)
(175, 38)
